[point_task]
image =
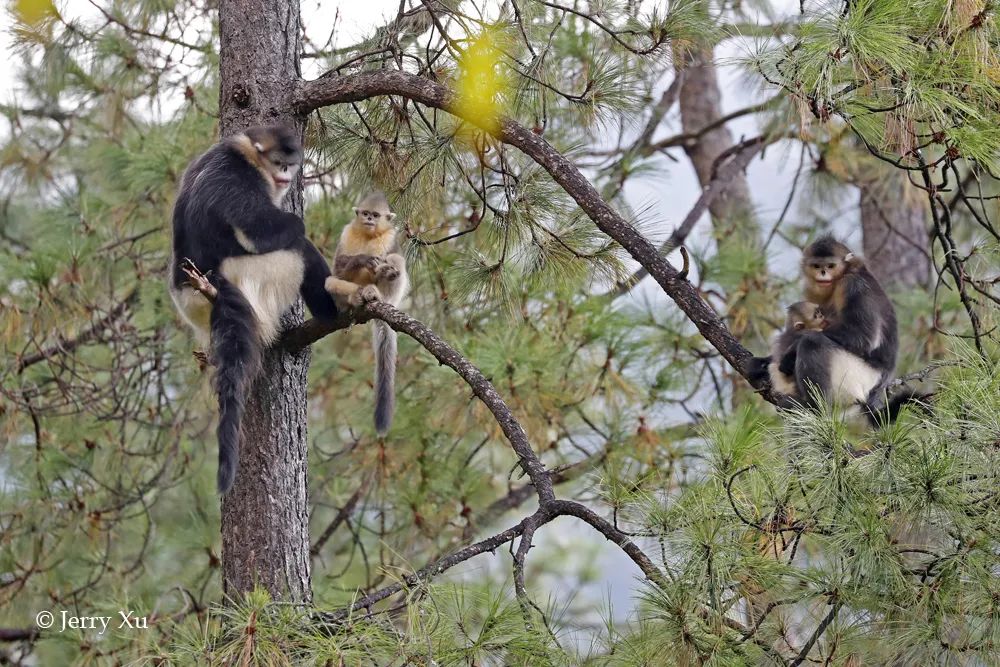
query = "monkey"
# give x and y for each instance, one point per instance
(228, 222)
(853, 359)
(801, 317)
(368, 266)
(861, 322)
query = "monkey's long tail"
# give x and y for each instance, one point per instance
(889, 412)
(236, 355)
(384, 342)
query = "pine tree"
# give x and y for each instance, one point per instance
(572, 366)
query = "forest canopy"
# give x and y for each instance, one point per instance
(602, 206)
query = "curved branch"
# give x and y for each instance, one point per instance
(431, 570)
(483, 389)
(330, 89)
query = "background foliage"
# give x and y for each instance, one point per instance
(780, 539)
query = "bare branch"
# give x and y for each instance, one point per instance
(447, 355)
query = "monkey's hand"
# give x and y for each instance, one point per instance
(386, 272)
(372, 263)
(363, 295)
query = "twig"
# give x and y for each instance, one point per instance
(198, 280)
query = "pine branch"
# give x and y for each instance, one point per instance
(67, 345)
(328, 90)
(447, 355)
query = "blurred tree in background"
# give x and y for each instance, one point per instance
(752, 537)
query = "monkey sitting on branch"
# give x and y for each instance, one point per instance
(368, 266)
(853, 359)
(239, 262)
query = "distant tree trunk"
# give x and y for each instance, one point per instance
(894, 226)
(265, 527)
(700, 103)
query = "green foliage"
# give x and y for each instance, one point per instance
(107, 451)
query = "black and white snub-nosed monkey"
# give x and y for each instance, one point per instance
(229, 223)
(369, 266)
(853, 359)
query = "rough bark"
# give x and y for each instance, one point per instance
(895, 231)
(265, 531)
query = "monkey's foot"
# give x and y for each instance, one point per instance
(202, 357)
(366, 294)
(386, 272)
(198, 280)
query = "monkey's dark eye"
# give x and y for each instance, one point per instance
(831, 266)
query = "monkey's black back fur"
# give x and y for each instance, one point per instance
(868, 317)
(222, 192)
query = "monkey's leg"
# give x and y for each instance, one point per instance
(366, 294)
(339, 287)
(353, 293)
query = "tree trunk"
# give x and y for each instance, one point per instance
(265, 526)
(700, 103)
(894, 224)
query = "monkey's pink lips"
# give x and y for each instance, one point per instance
(824, 281)
(282, 181)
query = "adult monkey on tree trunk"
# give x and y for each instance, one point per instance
(265, 529)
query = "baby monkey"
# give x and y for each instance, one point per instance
(802, 316)
(368, 266)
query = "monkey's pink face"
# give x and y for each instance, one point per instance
(373, 220)
(823, 271)
(283, 173)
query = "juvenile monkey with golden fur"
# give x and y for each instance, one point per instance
(369, 266)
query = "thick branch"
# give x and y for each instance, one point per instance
(340, 89)
(19, 634)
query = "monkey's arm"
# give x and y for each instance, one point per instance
(356, 268)
(857, 325)
(260, 226)
(757, 369)
(787, 363)
(313, 290)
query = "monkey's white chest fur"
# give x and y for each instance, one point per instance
(270, 283)
(851, 378)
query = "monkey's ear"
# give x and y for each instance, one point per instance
(357, 211)
(849, 256)
(390, 216)
(800, 326)
(258, 146)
